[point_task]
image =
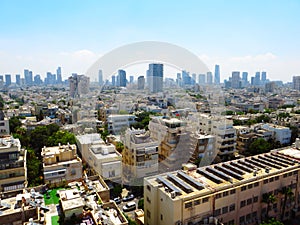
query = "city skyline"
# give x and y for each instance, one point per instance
(258, 41)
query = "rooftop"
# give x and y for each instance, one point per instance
(206, 180)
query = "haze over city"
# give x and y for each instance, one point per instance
(238, 35)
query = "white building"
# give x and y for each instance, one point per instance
(118, 123)
(101, 157)
(281, 133)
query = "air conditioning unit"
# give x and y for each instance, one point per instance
(173, 194)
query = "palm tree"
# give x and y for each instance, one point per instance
(269, 199)
(288, 193)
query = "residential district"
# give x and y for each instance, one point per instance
(149, 150)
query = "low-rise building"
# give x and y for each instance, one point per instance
(100, 156)
(61, 164)
(234, 192)
(281, 133)
(118, 123)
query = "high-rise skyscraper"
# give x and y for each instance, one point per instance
(7, 80)
(37, 80)
(131, 79)
(186, 79)
(28, 77)
(296, 82)
(217, 74)
(235, 79)
(155, 77)
(201, 79)
(209, 77)
(121, 79)
(141, 83)
(257, 79)
(244, 79)
(100, 77)
(18, 79)
(263, 77)
(113, 80)
(58, 74)
(194, 79)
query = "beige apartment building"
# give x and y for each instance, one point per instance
(13, 172)
(140, 155)
(61, 164)
(230, 193)
(222, 129)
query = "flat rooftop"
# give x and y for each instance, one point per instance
(213, 178)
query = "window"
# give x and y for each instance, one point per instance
(148, 214)
(218, 195)
(225, 193)
(205, 200)
(244, 188)
(243, 203)
(161, 217)
(266, 181)
(148, 188)
(242, 219)
(256, 184)
(197, 202)
(249, 201)
(271, 179)
(188, 205)
(255, 199)
(225, 210)
(232, 191)
(248, 217)
(217, 212)
(284, 175)
(250, 186)
(231, 222)
(231, 207)
(277, 178)
(295, 172)
(148, 199)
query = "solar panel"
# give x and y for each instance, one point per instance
(281, 158)
(244, 166)
(210, 176)
(168, 185)
(270, 158)
(180, 183)
(255, 163)
(190, 180)
(266, 162)
(229, 172)
(235, 169)
(219, 174)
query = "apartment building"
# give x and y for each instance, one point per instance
(4, 124)
(222, 129)
(61, 164)
(140, 155)
(118, 123)
(229, 193)
(13, 172)
(176, 143)
(101, 157)
(281, 133)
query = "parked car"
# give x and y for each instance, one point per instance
(129, 206)
(128, 198)
(117, 200)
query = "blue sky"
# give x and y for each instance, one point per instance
(238, 35)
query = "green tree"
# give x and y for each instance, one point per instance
(62, 137)
(268, 199)
(119, 147)
(141, 203)
(288, 194)
(259, 146)
(34, 168)
(14, 123)
(272, 222)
